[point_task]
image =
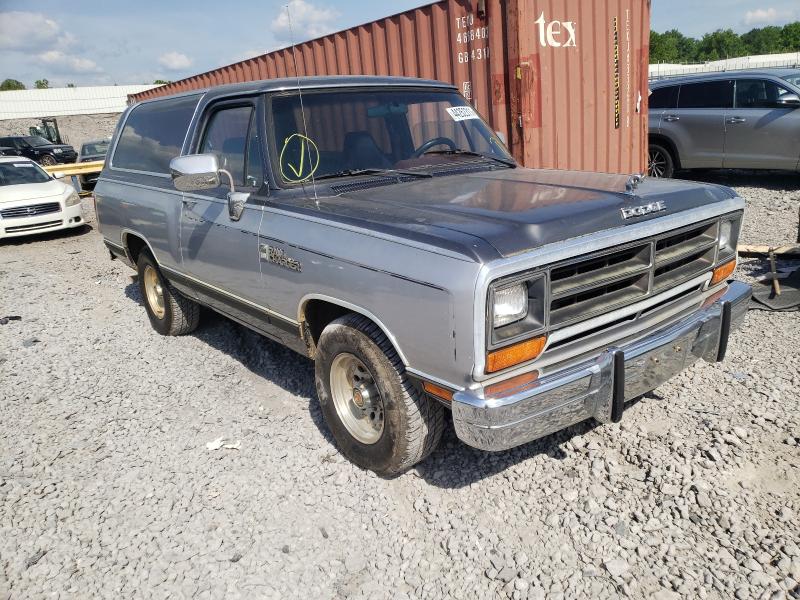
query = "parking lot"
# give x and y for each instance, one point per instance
(135, 465)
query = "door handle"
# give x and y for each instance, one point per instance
(672, 118)
(735, 120)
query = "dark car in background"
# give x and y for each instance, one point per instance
(91, 151)
(40, 149)
(7, 151)
(730, 120)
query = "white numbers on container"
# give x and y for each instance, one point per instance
(474, 54)
(467, 36)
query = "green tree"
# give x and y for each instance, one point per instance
(161, 82)
(790, 37)
(672, 47)
(70, 85)
(11, 84)
(719, 45)
(766, 40)
(41, 84)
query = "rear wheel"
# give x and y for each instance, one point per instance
(380, 420)
(170, 313)
(660, 163)
(47, 160)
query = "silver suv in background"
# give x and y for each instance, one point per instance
(731, 120)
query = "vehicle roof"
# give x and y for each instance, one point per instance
(694, 77)
(4, 159)
(290, 83)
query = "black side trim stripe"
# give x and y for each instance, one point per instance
(246, 308)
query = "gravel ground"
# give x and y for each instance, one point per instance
(109, 488)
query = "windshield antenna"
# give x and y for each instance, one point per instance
(300, 94)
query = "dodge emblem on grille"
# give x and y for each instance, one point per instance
(646, 209)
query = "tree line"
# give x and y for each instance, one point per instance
(674, 47)
(43, 84)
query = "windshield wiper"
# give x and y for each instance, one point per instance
(504, 161)
(384, 172)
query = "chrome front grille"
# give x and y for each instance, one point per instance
(33, 210)
(598, 283)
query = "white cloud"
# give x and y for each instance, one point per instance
(767, 16)
(67, 63)
(23, 31)
(307, 21)
(174, 61)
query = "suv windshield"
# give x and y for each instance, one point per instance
(340, 133)
(793, 79)
(17, 173)
(93, 148)
(37, 140)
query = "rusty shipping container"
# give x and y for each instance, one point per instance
(565, 81)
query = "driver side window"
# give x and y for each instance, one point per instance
(232, 135)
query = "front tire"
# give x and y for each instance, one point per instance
(380, 420)
(660, 163)
(47, 160)
(170, 313)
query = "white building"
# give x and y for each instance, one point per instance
(763, 61)
(83, 113)
(57, 102)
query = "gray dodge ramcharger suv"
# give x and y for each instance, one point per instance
(380, 227)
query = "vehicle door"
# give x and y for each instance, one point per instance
(697, 125)
(660, 101)
(25, 149)
(219, 252)
(760, 132)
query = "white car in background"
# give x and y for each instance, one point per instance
(32, 201)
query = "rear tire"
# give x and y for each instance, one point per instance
(170, 313)
(660, 163)
(392, 425)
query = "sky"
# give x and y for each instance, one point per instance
(97, 43)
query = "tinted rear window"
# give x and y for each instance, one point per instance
(712, 94)
(153, 135)
(665, 97)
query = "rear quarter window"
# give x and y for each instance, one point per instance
(153, 135)
(664, 98)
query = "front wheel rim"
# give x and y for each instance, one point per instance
(356, 398)
(154, 291)
(657, 164)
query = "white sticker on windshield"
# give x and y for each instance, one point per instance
(462, 113)
(27, 165)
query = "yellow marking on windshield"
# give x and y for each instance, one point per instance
(307, 146)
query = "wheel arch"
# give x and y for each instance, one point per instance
(134, 242)
(316, 311)
(663, 140)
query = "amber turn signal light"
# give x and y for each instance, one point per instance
(438, 391)
(515, 354)
(722, 272)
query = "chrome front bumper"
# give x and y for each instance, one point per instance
(599, 387)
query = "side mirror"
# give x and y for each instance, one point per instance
(58, 175)
(195, 172)
(789, 101)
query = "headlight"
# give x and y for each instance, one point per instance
(729, 237)
(73, 199)
(57, 150)
(516, 308)
(510, 304)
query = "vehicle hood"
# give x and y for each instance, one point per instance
(515, 210)
(32, 191)
(92, 157)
